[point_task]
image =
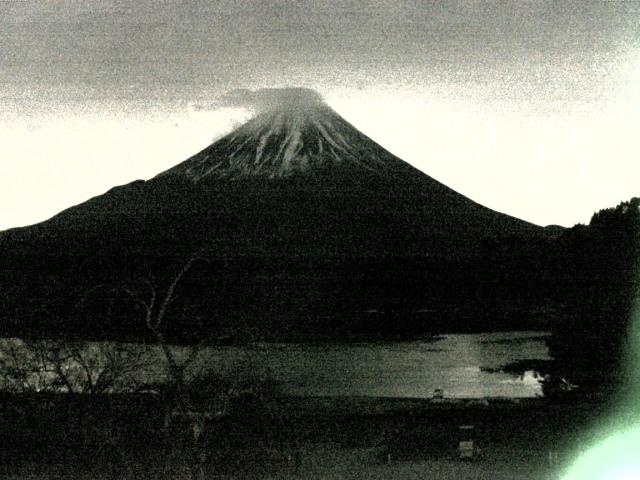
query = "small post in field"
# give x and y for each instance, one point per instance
(466, 447)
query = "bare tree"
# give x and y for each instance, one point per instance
(186, 374)
(72, 367)
(155, 304)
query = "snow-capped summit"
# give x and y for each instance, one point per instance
(300, 134)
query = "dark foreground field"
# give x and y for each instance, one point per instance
(334, 438)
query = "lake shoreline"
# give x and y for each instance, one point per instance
(369, 405)
(542, 331)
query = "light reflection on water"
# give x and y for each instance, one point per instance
(455, 363)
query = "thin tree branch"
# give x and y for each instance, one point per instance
(168, 298)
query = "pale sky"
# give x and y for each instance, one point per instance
(530, 108)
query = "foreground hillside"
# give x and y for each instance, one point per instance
(339, 438)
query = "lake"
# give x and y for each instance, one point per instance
(455, 363)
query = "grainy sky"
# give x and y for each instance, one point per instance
(531, 108)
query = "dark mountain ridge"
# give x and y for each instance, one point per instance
(310, 229)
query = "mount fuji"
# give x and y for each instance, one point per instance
(311, 230)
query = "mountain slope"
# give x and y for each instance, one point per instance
(307, 223)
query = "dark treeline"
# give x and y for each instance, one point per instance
(295, 299)
(597, 268)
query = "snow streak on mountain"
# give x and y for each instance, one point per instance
(299, 134)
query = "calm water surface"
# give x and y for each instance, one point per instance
(453, 363)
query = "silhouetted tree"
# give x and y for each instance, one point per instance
(599, 265)
(155, 302)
